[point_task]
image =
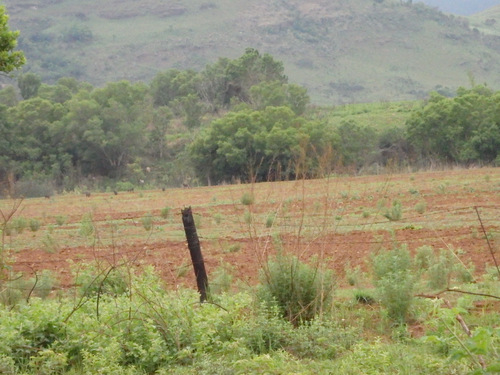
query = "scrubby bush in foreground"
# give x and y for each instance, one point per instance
(299, 290)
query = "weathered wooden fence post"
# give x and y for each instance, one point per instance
(195, 251)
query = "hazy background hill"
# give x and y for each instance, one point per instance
(356, 51)
(463, 7)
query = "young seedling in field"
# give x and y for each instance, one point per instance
(247, 199)
(147, 221)
(395, 213)
(165, 212)
(34, 225)
(420, 207)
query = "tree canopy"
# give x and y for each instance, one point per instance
(9, 58)
(465, 128)
(237, 119)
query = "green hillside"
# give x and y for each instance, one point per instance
(487, 22)
(343, 52)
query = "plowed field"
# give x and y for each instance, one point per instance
(339, 221)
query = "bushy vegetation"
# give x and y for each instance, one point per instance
(127, 323)
(299, 291)
(237, 120)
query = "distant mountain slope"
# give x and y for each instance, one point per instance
(342, 51)
(488, 21)
(461, 7)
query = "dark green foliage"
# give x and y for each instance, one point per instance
(356, 143)
(260, 145)
(465, 128)
(277, 94)
(172, 84)
(10, 58)
(29, 84)
(249, 70)
(237, 119)
(363, 297)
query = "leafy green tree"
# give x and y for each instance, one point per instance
(356, 143)
(36, 139)
(211, 86)
(115, 135)
(54, 93)
(8, 96)
(228, 80)
(9, 58)
(167, 86)
(276, 93)
(248, 144)
(159, 124)
(249, 70)
(190, 108)
(460, 129)
(6, 143)
(29, 84)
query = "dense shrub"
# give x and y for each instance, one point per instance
(394, 281)
(299, 290)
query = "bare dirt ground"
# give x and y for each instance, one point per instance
(338, 221)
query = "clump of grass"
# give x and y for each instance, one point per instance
(61, 220)
(34, 225)
(420, 207)
(165, 212)
(270, 220)
(217, 218)
(50, 244)
(395, 213)
(299, 291)
(364, 297)
(87, 226)
(247, 199)
(19, 224)
(147, 221)
(365, 214)
(233, 248)
(247, 217)
(354, 276)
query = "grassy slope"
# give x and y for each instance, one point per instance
(354, 51)
(487, 22)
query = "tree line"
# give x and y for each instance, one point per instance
(238, 119)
